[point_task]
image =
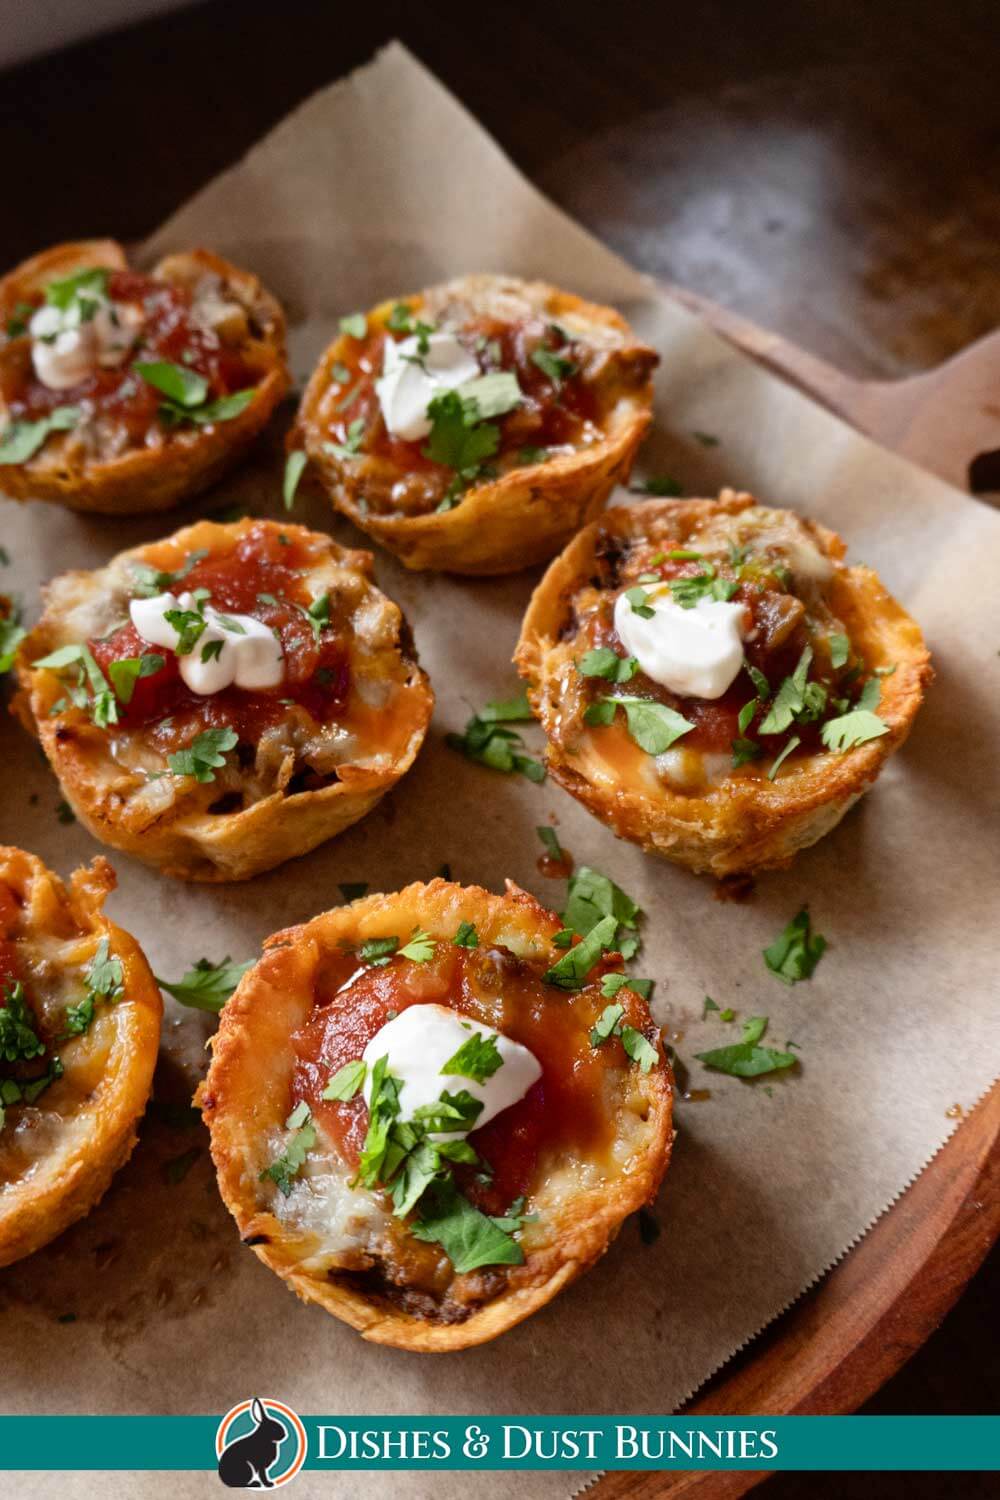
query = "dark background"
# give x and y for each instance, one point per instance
(830, 170)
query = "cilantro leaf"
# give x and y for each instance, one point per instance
(204, 755)
(458, 439)
(286, 1167)
(745, 1059)
(420, 948)
(570, 971)
(77, 663)
(294, 465)
(19, 1041)
(790, 698)
(12, 633)
(556, 367)
(603, 662)
(494, 394)
(507, 711)
(182, 386)
(466, 936)
(84, 288)
(347, 1081)
(478, 1058)
(207, 986)
(792, 743)
(612, 983)
(639, 600)
(469, 1238)
(355, 325)
(652, 725)
(126, 672)
(591, 896)
(795, 953)
(660, 484)
(318, 615)
(639, 1049)
(550, 839)
(840, 650)
(77, 1019)
(606, 1024)
(378, 951)
(852, 729)
(22, 440)
(351, 446)
(501, 749)
(152, 581)
(20, 316)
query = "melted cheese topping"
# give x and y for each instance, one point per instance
(423, 1038)
(411, 379)
(697, 652)
(232, 649)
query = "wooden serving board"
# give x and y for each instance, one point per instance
(845, 1338)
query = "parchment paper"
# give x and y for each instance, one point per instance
(382, 184)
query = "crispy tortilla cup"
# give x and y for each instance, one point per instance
(340, 1246)
(60, 1147)
(99, 465)
(700, 810)
(519, 510)
(292, 780)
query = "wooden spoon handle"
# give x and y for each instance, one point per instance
(947, 419)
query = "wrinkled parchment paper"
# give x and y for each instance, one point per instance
(382, 184)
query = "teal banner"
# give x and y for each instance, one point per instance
(291, 1442)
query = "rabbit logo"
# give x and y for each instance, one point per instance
(260, 1445)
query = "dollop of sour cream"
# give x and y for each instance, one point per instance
(421, 1039)
(250, 654)
(410, 380)
(696, 652)
(65, 349)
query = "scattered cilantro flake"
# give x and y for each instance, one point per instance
(19, 1041)
(604, 1027)
(12, 633)
(556, 367)
(204, 755)
(792, 743)
(796, 952)
(550, 839)
(639, 600)
(294, 465)
(458, 439)
(639, 1049)
(152, 581)
(494, 394)
(355, 325)
(852, 729)
(840, 650)
(420, 948)
(570, 971)
(502, 749)
(790, 698)
(347, 1081)
(286, 1167)
(709, 1005)
(469, 1238)
(351, 446)
(508, 711)
(477, 1058)
(745, 1059)
(207, 986)
(590, 897)
(20, 441)
(318, 614)
(603, 662)
(466, 936)
(652, 725)
(378, 951)
(126, 672)
(657, 484)
(533, 455)
(612, 983)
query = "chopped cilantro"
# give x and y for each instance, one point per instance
(796, 952)
(204, 755)
(20, 441)
(126, 672)
(790, 698)
(286, 1167)
(466, 936)
(792, 743)
(550, 839)
(507, 711)
(852, 729)
(152, 581)
(347, 1081)
(458, 438)
(12, 633)
(351, 446)
(469, 1238)
(659, 484)
(186, 394)
(745, 1059)
(19, 1042)
(840, 650)
(207, 986)
(355, 325)
(420, 948)
(652, 725)
(603, 662)
(502, 749)
(570, 971)
(556, 367)
(378, 951)
(477, 1058)
(294, 465)
(612, 983)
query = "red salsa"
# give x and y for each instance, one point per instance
(565, 1111)
(261, 576)
(169, 333)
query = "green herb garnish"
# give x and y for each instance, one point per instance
(207, 986)
(204, 755)
(795, 954)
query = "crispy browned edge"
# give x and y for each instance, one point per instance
(754, 826)
(34, 1212)
(241, 1093)
(503, 525)
(142, 480)
(217, 846)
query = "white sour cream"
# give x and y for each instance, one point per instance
(410, 380)
(696, 652)
(250, 655)
(65, 351)
(422, 1038)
